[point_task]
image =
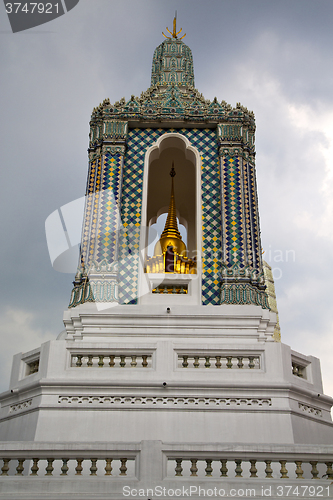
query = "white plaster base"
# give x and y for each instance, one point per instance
(166, 401)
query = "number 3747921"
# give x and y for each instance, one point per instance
(303, 490)
(32, 8)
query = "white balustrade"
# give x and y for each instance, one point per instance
(95, 360)
(225, 361)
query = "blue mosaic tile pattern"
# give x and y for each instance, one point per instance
(254, 219)
(206, 143)
(138, 142)
(247, 218)
(91, 218)
(241, 235)
(108, 215)
(88, 213)
(233, 213)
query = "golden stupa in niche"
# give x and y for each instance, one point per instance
(170, 253)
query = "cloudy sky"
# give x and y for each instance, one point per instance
(275, 57)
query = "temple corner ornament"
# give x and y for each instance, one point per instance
(242, 285)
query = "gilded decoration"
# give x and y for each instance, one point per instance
(170, 253)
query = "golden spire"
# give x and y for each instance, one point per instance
(171, 236)
(174, 31)
(171, 225)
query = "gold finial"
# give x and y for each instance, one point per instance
(171, 225)
(171, 235)
(174, 31)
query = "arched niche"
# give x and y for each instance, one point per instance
(172, 147)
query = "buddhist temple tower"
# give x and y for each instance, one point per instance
(171, 355)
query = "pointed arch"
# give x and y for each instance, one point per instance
(156, 192)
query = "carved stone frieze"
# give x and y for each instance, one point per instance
(166, 401)
(310, 409)
(23, 405)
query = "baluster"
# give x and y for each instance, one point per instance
(90, 360)
(299, 471)
(224, 470)
(268, 470)
(34, 468)
(133, 362)
(218, 361)
(122, 360)
(240, 361)
(196, 362)
(108, 467)
(174, 289)
(314, 470)
(207, 363)
(238, 469)
(93, 468)
(5, 467)
(251, 361)
(329, 471)
(294, 368)
(194, 468)
(179, 468)
(209, 468)
(229, 361)
(144, 361)
(182, 290)
(111, 362)
(64, 468)
(79, 468)
(20, 468)
(79, 360)
(165, 289)
(253, 468)
(123, 467)
(283, 470)
(49, 468)
(100, 361)
(185, 362)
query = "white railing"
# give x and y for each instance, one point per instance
(223, 361)
(48, 470)
(37, 459)
(111, 360)
(248, 468)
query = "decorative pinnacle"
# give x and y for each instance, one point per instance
(171, 225)
(174, 31)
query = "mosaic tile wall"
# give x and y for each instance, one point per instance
(254, 218)
(137, 143)
(241, 236)
(102, 234)
(91, 208)
(247, 218)
(233, 241)
(101, 220)
(108, 215)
